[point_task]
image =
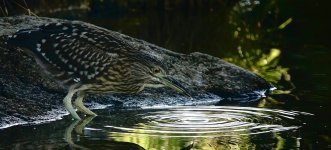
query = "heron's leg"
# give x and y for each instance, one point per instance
(68, 105)
(80, 106)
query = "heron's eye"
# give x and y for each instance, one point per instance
(156, 70)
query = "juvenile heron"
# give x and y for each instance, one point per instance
(90, 60)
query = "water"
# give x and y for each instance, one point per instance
(286, 42)
(201, 127)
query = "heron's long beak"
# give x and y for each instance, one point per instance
(174, 84)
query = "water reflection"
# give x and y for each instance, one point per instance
(207, 121)
(78, 126)
(77, 129)
(200, 127)
(185, 127)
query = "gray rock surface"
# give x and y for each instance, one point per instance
(27, 96)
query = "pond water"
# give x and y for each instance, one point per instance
(285, 42)
(199, 127)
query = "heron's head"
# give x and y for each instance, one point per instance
(156, 75)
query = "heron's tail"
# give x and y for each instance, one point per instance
(26, 38)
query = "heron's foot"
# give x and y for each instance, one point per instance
(80, 106)
(85, 110)
(73, 113)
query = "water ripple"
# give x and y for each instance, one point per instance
(209, 121)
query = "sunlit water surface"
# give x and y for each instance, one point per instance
(190, 127)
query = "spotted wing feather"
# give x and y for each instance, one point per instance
(74, 51)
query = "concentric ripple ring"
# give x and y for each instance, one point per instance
(210, 121)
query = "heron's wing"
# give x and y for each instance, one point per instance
(99, 37)
(69, 51)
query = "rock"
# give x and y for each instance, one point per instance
(27, 96)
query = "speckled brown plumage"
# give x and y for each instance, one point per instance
(89, 59)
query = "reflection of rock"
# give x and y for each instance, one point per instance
(27, 96)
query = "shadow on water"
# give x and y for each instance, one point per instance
(202, 127)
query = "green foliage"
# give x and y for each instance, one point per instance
(265, 65)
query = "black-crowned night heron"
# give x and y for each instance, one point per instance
(91, 60)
